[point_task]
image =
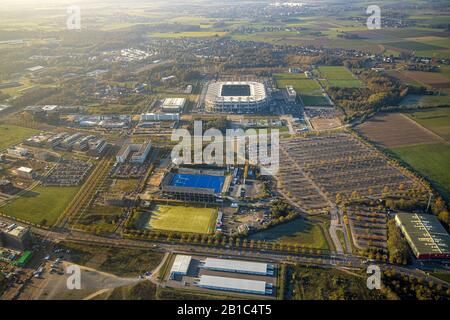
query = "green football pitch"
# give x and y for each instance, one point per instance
(183, 219)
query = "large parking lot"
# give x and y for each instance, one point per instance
(315, 169)
(129, 170)
(68, 173)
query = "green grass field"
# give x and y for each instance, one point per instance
(10, 135)
(300, 231)
(437, 120)
(413, 46)
(425, 100)
(184, 219)
(339, 77)
(442, 275)
(301, 85)
(289, 76)
(42, 203)
(430, 160)
(309, 90)
(441, 42)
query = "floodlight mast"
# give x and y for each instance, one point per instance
(429, 201)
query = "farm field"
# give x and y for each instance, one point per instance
(395, 129)
(10, 135)
(302, 232)
(183, 219)
(413, 45)
(437, 120)
(439, 54)
(430, 160)
(42, 203)
(325, 32)
(339, 77)
(426, 100)
(309, 90)
(410, 138)
(438, 41)
(431, 79)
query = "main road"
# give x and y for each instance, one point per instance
(336, 260)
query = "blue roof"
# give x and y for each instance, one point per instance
(198, 181)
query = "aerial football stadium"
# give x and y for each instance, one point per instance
(236, 97)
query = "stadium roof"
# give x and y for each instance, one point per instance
(425, 233)
(181, 264)
(246, 91)
(233, 284)
(235, 265)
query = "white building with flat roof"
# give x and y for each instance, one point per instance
(235, 285)
(35, 69)
(290, 95)
(139, 152)
(160, 117)
(17, 151)
(173, 105)
(237, 266)
(180, 266)
(142, 153)
(25, 172)
(15, 236)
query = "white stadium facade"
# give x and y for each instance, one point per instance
(235, 97)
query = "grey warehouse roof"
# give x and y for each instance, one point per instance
(233, 284)
(235, 265)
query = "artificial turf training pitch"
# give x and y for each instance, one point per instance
(183, 219)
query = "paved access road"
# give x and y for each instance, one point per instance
(338, 260)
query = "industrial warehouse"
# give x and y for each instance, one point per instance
(237, 266)
(236, 97)
(230, 275)
(235, 285)
(180, 266)
(425, 235)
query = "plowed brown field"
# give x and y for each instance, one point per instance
(396, 129)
